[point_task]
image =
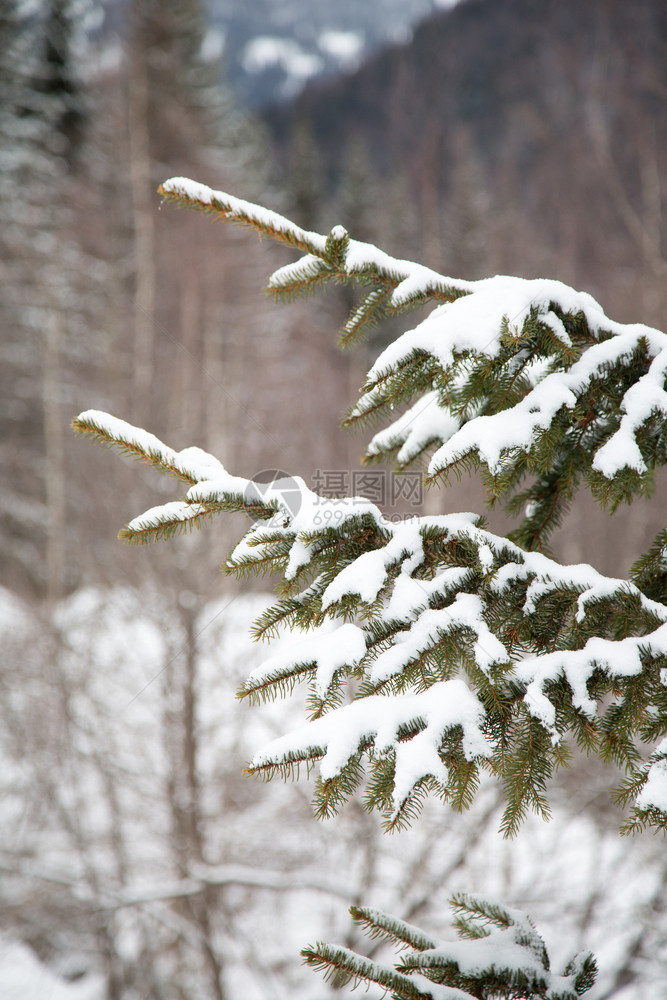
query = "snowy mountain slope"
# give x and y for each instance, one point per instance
(271, 50)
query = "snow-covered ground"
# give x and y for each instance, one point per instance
(93, 719)
(24, 977)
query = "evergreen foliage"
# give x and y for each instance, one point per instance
(454, 651)
(500, 955)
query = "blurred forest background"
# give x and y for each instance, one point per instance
(499, 136)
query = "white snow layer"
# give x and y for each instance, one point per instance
(240, 209)
(24, 977)
(345, 46)
(265, 51)
(193, 463)
(338, 735)
(654, 793)
(327, 650)
(495, 435)
(418, 427)
(473, 323)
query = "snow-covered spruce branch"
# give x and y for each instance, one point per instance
(461, 642)
(525, 377)
(189, 465)
(501, 954)
(510, 374)
(394, 283)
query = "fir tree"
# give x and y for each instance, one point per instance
(466, 652)
(45, 276)
(58, 77)
(188, 114)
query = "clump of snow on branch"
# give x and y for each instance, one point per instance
(379, 721)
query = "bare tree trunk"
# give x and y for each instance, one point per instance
(215, 404)
(144, 238)
(184, 791)
(201, 904)
(54, 458)
(643, 222)
(429, 178)
(191, 395)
